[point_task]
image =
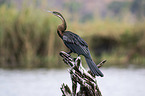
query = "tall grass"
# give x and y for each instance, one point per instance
(121, 43)
(28, 39)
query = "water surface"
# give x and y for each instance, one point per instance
(41, 82)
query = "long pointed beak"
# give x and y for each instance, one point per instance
(48, 11)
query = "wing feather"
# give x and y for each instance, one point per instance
(70, 37)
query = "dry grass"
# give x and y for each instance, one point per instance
(28, 39)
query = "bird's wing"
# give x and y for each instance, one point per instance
(82, 42)
(70, 37)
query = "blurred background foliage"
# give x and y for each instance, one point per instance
(114, 30)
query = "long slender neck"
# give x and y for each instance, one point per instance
(61, 28)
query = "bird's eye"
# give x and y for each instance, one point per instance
(54, 12)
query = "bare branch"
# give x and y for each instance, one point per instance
(87, 80)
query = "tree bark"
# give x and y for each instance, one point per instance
(86, 80)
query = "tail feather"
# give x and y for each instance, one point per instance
(93, 67)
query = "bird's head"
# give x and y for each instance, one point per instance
(56, 14)
(63, 26)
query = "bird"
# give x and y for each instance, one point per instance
(76, 44)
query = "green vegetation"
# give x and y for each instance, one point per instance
(119, 42)
(28, 39)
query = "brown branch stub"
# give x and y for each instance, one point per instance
(87, 80)
(65, 90)
(101, 63)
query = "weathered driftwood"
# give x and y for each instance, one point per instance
(87, 81)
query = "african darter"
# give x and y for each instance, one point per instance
(76, 44)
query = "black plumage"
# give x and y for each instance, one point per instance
(76, 44)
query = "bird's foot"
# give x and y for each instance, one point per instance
(69, 52)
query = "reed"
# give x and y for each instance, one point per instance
(28, 39)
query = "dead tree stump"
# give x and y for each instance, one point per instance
(87, 80)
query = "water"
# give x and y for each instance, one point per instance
(117, 82)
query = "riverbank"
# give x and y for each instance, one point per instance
(28, 39)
